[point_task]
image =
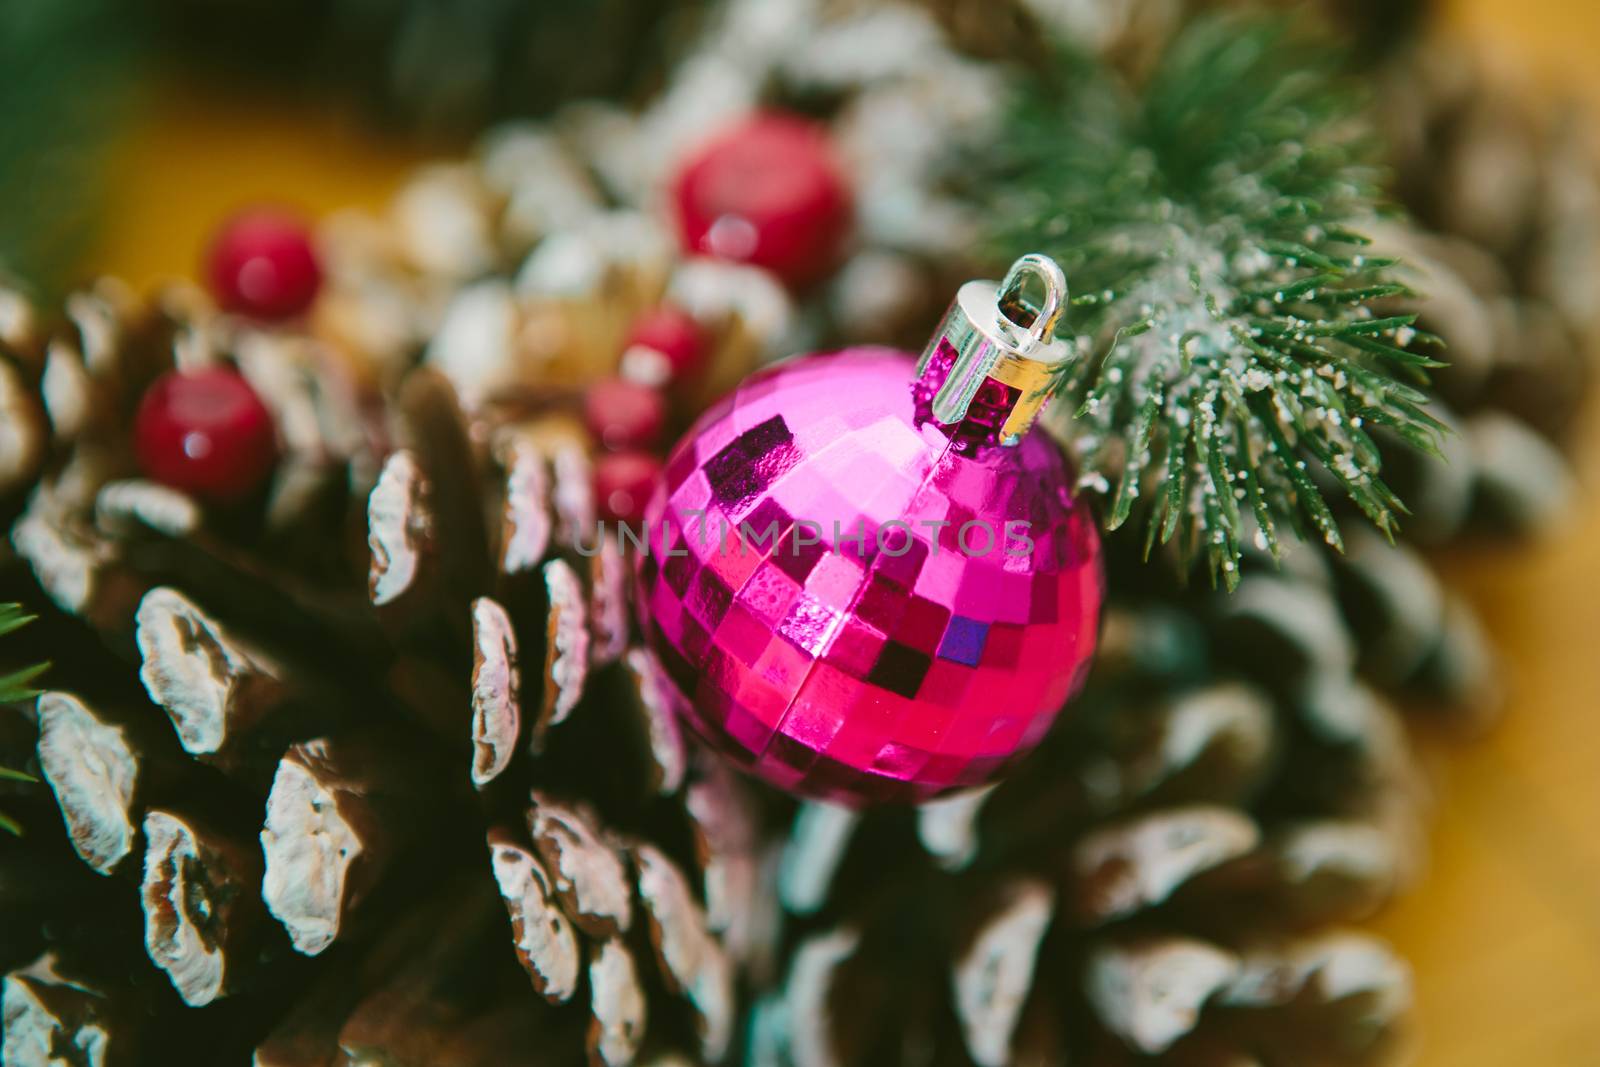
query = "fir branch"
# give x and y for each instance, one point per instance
(1232, 355)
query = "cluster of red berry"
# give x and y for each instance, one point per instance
(205, 430)
(628, 413)
(767, 192)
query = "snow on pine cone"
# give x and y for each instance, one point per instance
(368, 769)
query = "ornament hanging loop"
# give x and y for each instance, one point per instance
(987, 338)
(1041, 330)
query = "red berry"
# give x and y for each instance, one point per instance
(768, 191)
(665, 345)
(262, 263)
(205, 432)
(623, 482)
(624, 414)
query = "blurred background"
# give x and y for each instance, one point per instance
(127, 131)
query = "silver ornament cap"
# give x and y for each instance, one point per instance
(995, 333)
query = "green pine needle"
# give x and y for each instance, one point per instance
(1209, 219)
(14, 689)
(12, 617)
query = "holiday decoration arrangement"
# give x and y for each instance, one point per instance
(904, 544)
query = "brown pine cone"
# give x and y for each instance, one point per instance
(366, 764)
(1167, 877)
(1504, 186)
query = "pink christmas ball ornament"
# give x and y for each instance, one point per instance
(867, 579)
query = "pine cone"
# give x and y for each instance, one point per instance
(1167, 877)
(359, 798)
(1505, 186)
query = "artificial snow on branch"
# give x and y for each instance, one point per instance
(1233, 362)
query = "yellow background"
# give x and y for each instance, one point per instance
(1504, 933)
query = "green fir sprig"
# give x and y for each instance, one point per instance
(1233, 363)
(15, 687)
